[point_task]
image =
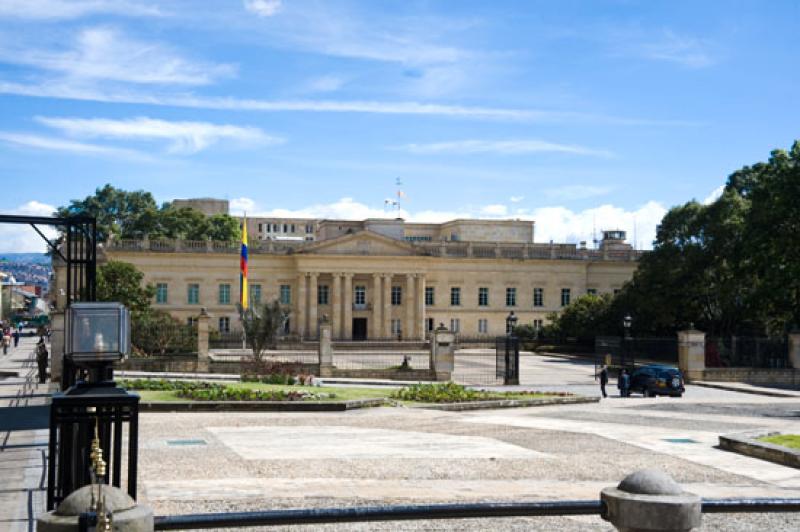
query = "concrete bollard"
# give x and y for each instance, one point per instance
(127, 515)
(650, 500)
(325, 348)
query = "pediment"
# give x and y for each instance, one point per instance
(362, 243)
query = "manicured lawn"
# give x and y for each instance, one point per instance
(786, 440)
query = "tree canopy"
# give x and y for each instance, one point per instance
(122, 282)
(135, 214)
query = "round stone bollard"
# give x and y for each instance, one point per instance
(126, 514)
(650, 500)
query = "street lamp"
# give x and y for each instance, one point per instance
(627, 321)
(511, 322)
(511, 373)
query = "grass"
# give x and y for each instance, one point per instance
(786, 440)
(342, 394)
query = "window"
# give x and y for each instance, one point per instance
(360, 295)
(483, 326)
(591, 291)
(511, 297)
(291, 227)
(191, 321)
(255, 294)
(455, 296)
(268, 228)
(397, 295)
(309, 229)
(285, 228)
(429, 324)
(322, 294)
(537, 324)
(429, 296)
(286, 294)
(397, 327)
(225, 325)
(224, 294)
(161, 293)
(274, 228)
(455, 325)
(565, 297)
(260, 228)
(193, 294)
(538, 297)
(483, 297)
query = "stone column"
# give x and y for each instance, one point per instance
(386, 331)
(409, 303)
(56, 345)
(420, 306)
(202, 341)
(377, 306)
(313, 320)
(348, 306)
(692, 354)
(325, 349)
(336, 305)
(794, 349)
(300, 305)
(443, 353)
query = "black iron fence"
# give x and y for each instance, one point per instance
(620, 351)
(747, 352)
(476, 366)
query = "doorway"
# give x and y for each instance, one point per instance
(359, 328)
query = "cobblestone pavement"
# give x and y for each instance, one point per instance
(192, 463)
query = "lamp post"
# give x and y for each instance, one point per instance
(511, 352)
(511, 322)
(627, 321)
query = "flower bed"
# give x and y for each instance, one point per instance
(207, 391)
(454, 393)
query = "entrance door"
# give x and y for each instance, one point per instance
(359, 328)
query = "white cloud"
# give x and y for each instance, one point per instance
(70, 9)
(575, 192)
(516, 199)
(17, 238)
(57, 144)
(241, 206)
(328, 83)
(556, 223)
(687, 51)
(103, 53)
(504, 147)
(263, 8)
(714, 196)
(184, 137)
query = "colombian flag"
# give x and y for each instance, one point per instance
(243, 267)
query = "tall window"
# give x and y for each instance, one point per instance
(255, 294)
(286, 294)
(224, 325)
(455, 325)
(483, 326)
(429, 296)
(360, 295)
(285, 228)
(397, 295)
(397, 327)
(591, 291)
(291, 228)
(455, 296)
(309, 229)
(538, 297)
(224, 294)
(193, 294)
(565, 297)
(483, 297)
(511, 297)
(161, 293)
(429, 324)
(537, 324)
(322, 294)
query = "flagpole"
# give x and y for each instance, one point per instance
(243, 295)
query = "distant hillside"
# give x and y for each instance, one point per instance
(25, 258)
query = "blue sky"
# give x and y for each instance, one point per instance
(573, 114)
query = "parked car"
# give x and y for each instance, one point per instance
(657, 379)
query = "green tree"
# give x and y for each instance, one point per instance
(261, 326)
(584, 318)
(122, 282)
(223, 227)
(117, 211)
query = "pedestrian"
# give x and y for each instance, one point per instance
(6, 340)
(42, 360)
(603, 379)
(624, 383)
(16, 337)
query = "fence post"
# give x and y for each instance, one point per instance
(325, 348)
(692, 354)
(202, 340)
(442, 353)
(651, 500)
(794, 349)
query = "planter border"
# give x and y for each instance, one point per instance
(259, 406)
(746, 443)
(509, 403)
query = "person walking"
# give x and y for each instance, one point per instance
(16, 337)
(603, 379)
(42, 360)
(624, 383)
(6, 340)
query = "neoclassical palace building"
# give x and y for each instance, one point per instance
(381, 278)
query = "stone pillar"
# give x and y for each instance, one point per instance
(651, 500)
(348, 306)
(336, 306)
(202, 341)
(325, 349)
(377, 306)
(443, 353)
(313, 320)
(56, 345)
(420, 302)
(794, 349)
(387, 306)
(692, 354)
(409, 297)
(300, 305)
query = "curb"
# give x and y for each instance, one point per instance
(760, 391)
(259, 406)
(510, 403)
(746, 443)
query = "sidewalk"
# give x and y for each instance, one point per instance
(749, 388)
(24, 415)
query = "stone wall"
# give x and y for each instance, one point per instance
(786, 378)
